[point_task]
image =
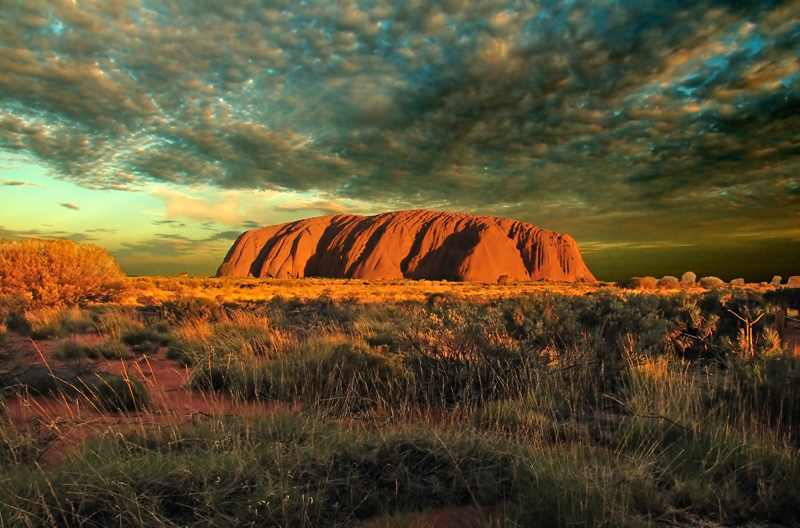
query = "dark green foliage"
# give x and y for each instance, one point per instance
(184, 308)
(274, 472)
(308, 316)
(109, 349)
(120, 394)
(146, 339)
(49, 323)
(767, 388)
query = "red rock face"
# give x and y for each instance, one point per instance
(414, 244)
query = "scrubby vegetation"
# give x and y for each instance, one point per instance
(42, 273)
(599, 407)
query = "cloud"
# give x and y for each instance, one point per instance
(172, 245)
(171, 223)
(323, 206)
(18, 234)
(671, 111)
(17, 183)
(69, 206)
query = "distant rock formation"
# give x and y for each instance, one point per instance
(415, 244)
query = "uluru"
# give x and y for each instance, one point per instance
(416, 244)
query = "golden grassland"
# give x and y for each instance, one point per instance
(145, 290)
(327, 402)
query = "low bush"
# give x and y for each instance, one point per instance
(57, 272)
(632, 283)
(146, 338)
(120, 394)
(518, 419)
(236, 335)
(52, 323)
(109, 349)
(669, 282)
(114, 321)
(277, 471)
(184, 308)
(711, 282)
(688, 278)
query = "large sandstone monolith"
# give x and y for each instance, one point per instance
(414, 244)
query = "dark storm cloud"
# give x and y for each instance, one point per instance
(680, 113)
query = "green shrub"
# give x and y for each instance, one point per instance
(114, 321)
(120, 394)
(570, 487)
(185, 308)
(146, 338)
(109, 349)
(51, 323)
(518, 419)
(344, 377)
(57, 272)
(277, 471)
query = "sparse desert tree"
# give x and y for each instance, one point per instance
(776, 281)
(737, 282)
(794, 281)
(688, 278)
(56, 272)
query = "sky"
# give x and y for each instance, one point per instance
(663, 135)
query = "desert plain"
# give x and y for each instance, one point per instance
(344, 402)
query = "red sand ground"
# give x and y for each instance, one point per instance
(63, 423)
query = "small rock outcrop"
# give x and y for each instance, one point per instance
(415, 244)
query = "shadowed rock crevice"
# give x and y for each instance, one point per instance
(415, 244)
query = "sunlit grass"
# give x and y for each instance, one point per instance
(346, 402)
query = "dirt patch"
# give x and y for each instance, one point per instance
(52, 400)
